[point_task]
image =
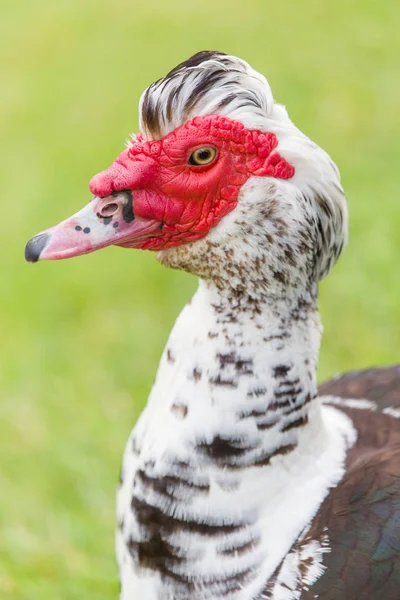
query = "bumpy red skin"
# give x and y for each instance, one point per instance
(189, 200)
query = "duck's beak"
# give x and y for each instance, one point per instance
(103, 222)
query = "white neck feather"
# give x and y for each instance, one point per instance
(231, 439)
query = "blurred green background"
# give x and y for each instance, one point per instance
(80, 339)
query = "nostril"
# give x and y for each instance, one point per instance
(108, 210)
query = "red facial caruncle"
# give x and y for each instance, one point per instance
(164, 193)
(188, 200)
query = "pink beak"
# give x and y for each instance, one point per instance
(103, 222)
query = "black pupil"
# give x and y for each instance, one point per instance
(203, 154)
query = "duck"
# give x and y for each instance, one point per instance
(241, 479)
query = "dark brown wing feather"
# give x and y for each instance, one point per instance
(361, 516)
(382, 385)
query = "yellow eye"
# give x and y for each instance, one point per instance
(202, 156)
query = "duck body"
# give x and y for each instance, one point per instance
(239, 481)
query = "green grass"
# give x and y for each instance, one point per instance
(81, 339)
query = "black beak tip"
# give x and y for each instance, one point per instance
(35, 246)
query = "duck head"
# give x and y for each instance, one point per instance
(217, 171)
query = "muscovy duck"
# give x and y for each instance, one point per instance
(239, 481)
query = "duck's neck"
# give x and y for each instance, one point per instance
(246, 368)
(230, 441)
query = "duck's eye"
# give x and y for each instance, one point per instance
(202, 156)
